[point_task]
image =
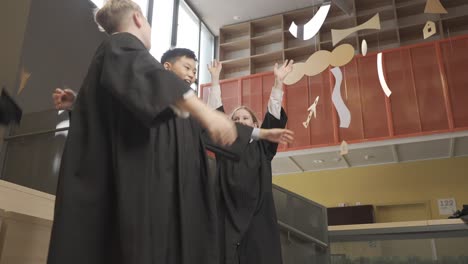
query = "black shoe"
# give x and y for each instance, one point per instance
(457, 214)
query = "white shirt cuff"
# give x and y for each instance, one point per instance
(177, 111)
(255, 133)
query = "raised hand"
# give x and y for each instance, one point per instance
(63, 99)
(277, 135)
(215, 68)
(282, 71)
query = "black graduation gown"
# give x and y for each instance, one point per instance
(248, 214)
(133, 185)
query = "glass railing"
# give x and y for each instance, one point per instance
(430, 242)
(303, 226)
(32, 152)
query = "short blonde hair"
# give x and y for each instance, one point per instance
(110, 17)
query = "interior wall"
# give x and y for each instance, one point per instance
(13, 21)
(60, 40)
(385, 184)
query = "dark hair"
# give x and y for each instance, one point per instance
(173, 55)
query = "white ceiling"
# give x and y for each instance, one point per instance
(217, 13)
(373, 153)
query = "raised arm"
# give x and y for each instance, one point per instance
(214, 97)
(276, 96)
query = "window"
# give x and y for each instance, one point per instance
(191, 33)
(161, 32)
(188, 30)
(194, 35)
(206, 54)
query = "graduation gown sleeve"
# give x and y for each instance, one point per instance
(234, 151)
(139, 81)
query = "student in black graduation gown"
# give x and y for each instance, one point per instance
(247, 215)
(133, 185)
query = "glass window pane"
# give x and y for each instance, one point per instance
(32, 158)
(206, 54)
(188, 29)
(161, 32)
(34, 161)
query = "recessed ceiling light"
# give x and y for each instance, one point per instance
(317, 161)
(236, 17)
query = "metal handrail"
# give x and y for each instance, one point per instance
(42, 132)
(303, 235)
